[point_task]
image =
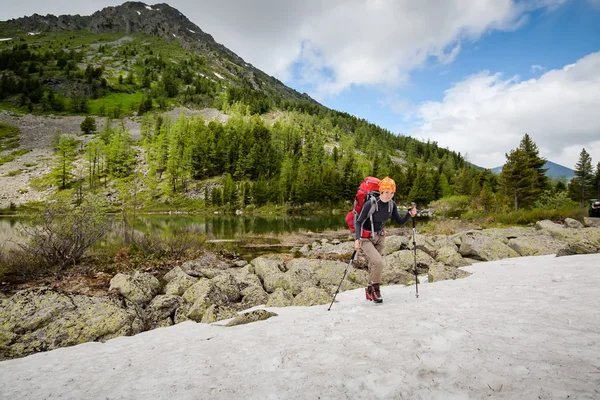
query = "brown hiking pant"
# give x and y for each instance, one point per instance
(373, 250)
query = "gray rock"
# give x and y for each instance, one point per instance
(440, 272)
(535, 245)
(573, 223)
(178, 285)
(280, 298)
(252, 316)
(37, 320)
(591, 222)
(139, 288)
(312, 297)
(478, 246)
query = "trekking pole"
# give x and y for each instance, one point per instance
(415, 254)
(340, 285)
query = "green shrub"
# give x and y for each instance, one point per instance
(14, 172)
(452, 206)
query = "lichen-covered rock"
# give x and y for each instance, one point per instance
(181, 314)
(481, 247)
(573, 223)
(139, 288)
(208, 266)
(216, 313)
(220, 291)
(505, 234)
(325, 274)
(162, 308)
(583, 247)
(271, 273)
(280, 298)
(549, 226)
(227, 285)
(399, 266)
(37, 320)
(441, 272)
(174, 273)
(591, 222)
(449, 256)
(394, 243)
(179, 284)
(253, 296)
(312, 297)
(196, 291)
(535, 245)
(328, 248)
(252, 316)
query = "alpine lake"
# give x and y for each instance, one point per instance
(249, 236)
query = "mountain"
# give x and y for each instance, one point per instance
(555, 171)
(167, 23)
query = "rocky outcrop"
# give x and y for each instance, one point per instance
(208, 290)
(41, 319)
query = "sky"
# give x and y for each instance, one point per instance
(472, 76)
(519, 328)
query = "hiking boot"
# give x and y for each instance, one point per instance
(369, 292)
(376, 294)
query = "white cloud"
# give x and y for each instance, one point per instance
(535, 68)
(486, 115)
(354, 42)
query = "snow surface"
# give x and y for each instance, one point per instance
(191, 30)
(149, 8)
(5, 39)
(139, 13)
(520, 328)
(218, 75)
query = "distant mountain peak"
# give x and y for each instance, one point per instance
(554, 170)
(163, 21)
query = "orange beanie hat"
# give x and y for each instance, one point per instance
(387, 183)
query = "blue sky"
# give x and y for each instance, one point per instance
(549, 39)
(472, 76)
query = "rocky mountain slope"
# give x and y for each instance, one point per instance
(166, 22)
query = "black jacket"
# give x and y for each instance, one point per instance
(379, 217)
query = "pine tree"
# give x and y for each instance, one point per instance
(582, 185)
(597, 181)
(66, 151)
(515, 177)
(535, 163)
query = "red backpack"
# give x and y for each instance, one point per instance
(368, 187)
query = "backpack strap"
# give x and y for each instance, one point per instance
(374, 207)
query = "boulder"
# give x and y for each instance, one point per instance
(583, 247)
(37, 320)
(535, 245)
(395, 243)
(139, 288)
(478, 246)
(271, 273)
(572, 223)
(312, 297)
(216, 313)
(179, 284)
(325, 274)
(441, 272)
(252, 316)
(592, 222)
(161, 310)
(253, 296)
(280, 298)
(450, 256)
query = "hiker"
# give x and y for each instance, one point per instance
(371, 238)
(595, 210)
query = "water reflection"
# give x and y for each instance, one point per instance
(215, 227)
